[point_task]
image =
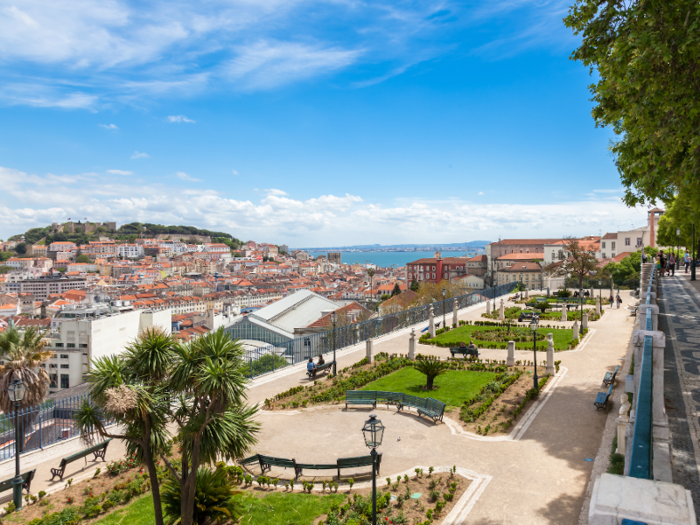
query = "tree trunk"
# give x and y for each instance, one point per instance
(429, 384)
(155, 486)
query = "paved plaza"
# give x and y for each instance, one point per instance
(537, 475)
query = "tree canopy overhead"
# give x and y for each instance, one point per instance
(646, 54)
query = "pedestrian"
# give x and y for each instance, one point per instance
(672, 264)
(687, 261)
(644, 257)
(662, 263)
(619, 301)
(611, 301)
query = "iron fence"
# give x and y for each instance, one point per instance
(271, 358)
(41, 426)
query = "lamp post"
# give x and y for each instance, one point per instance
(373, 432)
(444, 294)
(692, 261)
(16, 392)
(678, 242)
(533, 327)
(600, 293)
(592, 273)
(334, 319)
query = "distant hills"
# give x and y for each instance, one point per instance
(384, 247)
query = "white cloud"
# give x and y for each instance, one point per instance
(275, 192)
(109, 126)
(234, 172)
(29, 200)
(120, 172)
(184, 176)
(619, 190)
(139, 155)
(481, 193)
(179, 118)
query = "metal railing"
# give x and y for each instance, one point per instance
(641, 460)
(271, 358)
(41, 426)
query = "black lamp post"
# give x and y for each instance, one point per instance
(16, 392)
(444, 294)
(334, 319)
(533, 327)
(678, 242)
(692, 261)
(600, 293)
(373, 432)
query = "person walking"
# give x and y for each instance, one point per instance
(687, 261)
(611, 301)
(644, 257)
(662, 263)
(618, 299)
(672, 264)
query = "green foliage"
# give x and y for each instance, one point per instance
(617, 461)
(21, 248)
(414, 285)
(82, 258)
(396, 290)
(268, 363)
(645, 57)
(214, 498)
(431, 367)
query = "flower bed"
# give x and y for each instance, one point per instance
(513, 313)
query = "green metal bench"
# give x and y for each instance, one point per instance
(360, 461)
(320, 368)
(360, 397)
(267, 462)
(465, 351)
(27, 478)
(98, 451)
(609, 378)
(428, 406)
(601, 400)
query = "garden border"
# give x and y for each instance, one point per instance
(522, 426)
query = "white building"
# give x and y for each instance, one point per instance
(130, 251)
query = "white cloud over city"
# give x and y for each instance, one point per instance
(37, 200)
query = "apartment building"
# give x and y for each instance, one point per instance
(43, 287)
(436, 269)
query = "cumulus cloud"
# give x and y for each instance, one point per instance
(120, 172)
(177, 119)
(139, 155)
(184, 176)
(109, 126)
(323, 220)
(273, 191)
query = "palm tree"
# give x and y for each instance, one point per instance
(22, 354)
(431, 367)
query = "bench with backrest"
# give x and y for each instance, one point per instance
(465, 351)
(601, 400)
(27, 478)
(267, 462)
(320, 368)
(430, 407)
(360, 397)
(609, 378)
(98, 451)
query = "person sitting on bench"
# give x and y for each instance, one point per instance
(320, 361)
(472, 346)
(311, 367)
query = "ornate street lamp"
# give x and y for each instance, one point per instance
(373, 432)
(334, 319)
(444, 294)
(678, 241)
(533, 327)
(16, 392)
(600, 293)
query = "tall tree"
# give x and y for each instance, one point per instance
(396, 290)
(371, 273)
(414, 285)
(23, 353)
(579, 263)
(645, 55)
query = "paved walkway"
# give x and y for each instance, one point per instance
(679, 305)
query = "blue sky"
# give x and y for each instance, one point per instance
(303, 122)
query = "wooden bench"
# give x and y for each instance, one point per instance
(98, 451)
(428, 406)
(319, 368)
(464, 350)
(609, 378)
(360, 397)
(601, 400)
(27, 478)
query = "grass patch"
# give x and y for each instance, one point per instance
(562, 337)
(140, 512)
(454, 386)
(278, 508)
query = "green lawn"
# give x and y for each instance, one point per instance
(455, 385)
(140, 512)
(276, 508)
(562, 337)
